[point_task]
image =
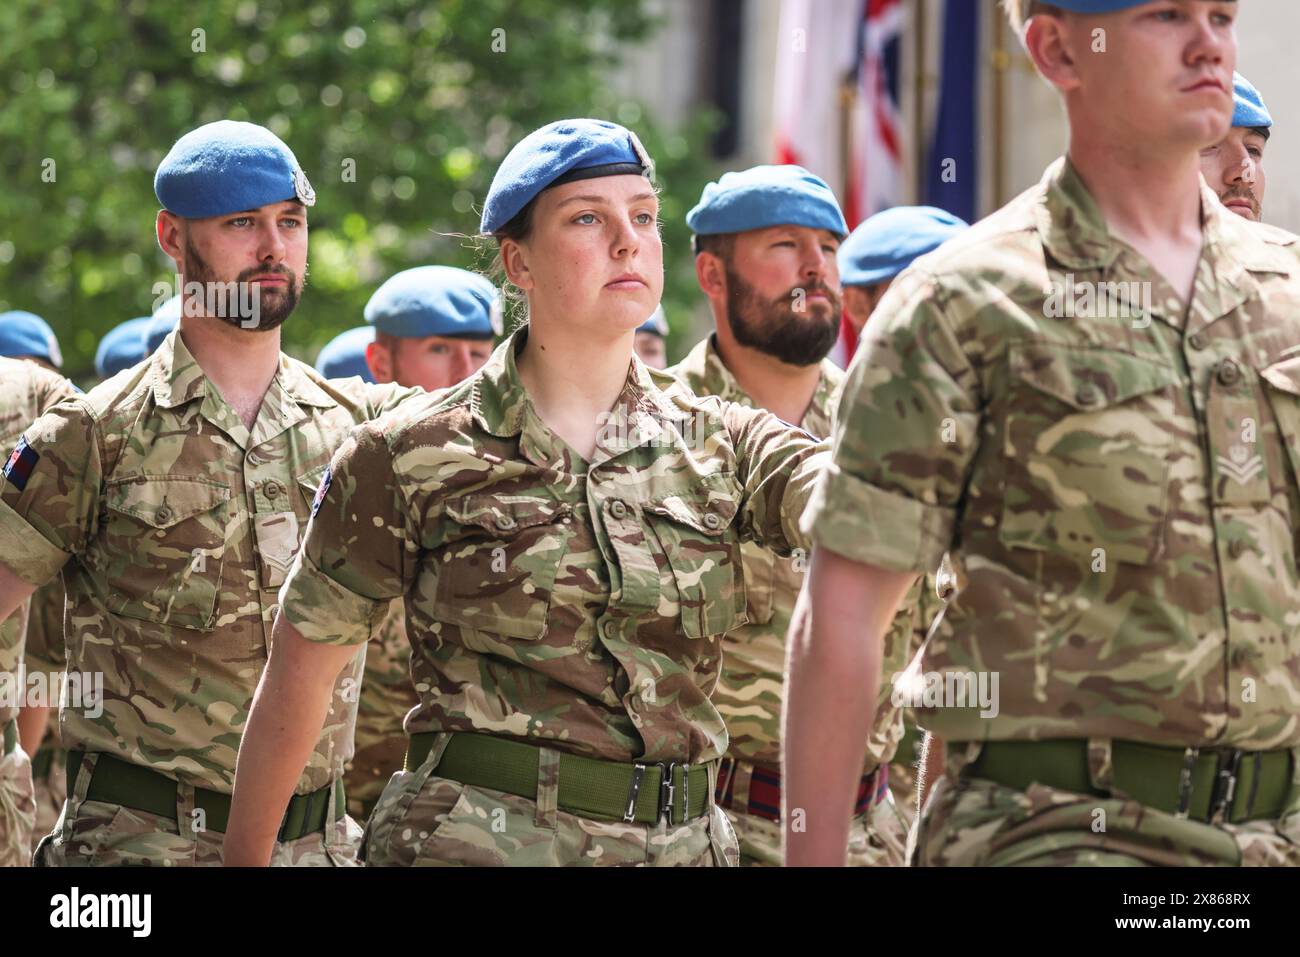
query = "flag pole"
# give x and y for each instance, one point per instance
(1000, 63)
(918, 111)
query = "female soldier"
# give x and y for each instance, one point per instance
(565, 529)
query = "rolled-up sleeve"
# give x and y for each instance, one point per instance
(49, 494)
(359, 551)
(906, 433)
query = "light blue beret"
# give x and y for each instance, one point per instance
(560, 152)
(1248, 107)
(345, 355)
(435, 301)
(161, 323)
(765, 196)
(884, 245)
(27, 334)
(121, 347)
(1097, 6)
(229, 167)
(657, 323)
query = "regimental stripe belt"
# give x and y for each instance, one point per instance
(1200, 784)
(641, 792)
(129, 785)
(765, 789)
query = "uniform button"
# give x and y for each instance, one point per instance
(636, 702)
(1236, 548)
(505, 522)
(617, 509)
(1088, 394)
(163, 515)
(1229, 372)
(610, 630)
(273, 489)
(712, 520)
(1197, 341)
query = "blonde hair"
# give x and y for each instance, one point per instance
(1019, 12)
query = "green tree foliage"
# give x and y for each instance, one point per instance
(399, 111)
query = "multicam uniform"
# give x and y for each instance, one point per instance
(749, 691)
(26, 391)
(1119, 490)
(565, 616)
(387, 696)
(174, 525)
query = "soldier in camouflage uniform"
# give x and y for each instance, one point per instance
(568, 573)
(172, 498)
(433, 328)
(1118, 483)
(1234, 167)
(26, 391)
(874, 254)
(765, 243)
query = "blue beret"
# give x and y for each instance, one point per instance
(1097, 6)
(121, 347)
(657, 323)
(161, 323)
(886, 244)
(765, 196)
(345, 355)
(435, 301)
(1248, 107)
(27, 334)
(560, 152)
(229, 167)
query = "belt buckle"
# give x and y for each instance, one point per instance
(633, 789)
(1225, 784)
(668, 790)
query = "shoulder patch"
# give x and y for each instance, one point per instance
(321, 492)
(20, 465)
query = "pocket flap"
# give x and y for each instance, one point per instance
(1284, 375)
(504, 515)
(1088, 378)
(162, 502)
(708, 513)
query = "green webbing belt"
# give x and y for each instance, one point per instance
(130, 785)
(11, 736)
(588, 787)
(1247, 785)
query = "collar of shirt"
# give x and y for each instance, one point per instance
(704, 372)
(501, 406)
(1075, 234)
(179, 380)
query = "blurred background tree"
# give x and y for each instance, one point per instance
(398, 110)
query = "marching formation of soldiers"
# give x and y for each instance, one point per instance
(549, 603)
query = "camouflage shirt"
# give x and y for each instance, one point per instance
(1114, 470)
(26, 391)
(749, 691)
(176, 525)
(551, 599)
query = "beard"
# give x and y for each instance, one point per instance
(249, 306)
(798, 337)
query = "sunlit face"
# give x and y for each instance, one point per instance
(651, 349)
(594, 257)
(264, 247)
(783, 292)
(432, 362)
(1234, 168)
(1159, 72)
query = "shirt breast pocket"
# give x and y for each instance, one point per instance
(497, 568)
(1088, 443)
(695, 531)
(162, 548)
